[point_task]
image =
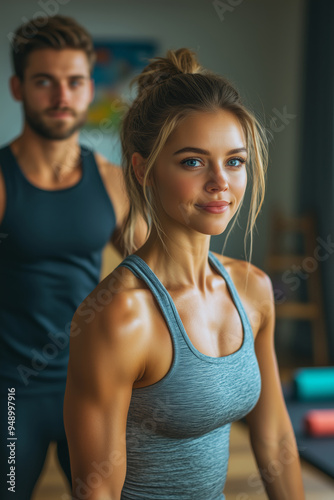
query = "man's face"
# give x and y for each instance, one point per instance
(56, 92)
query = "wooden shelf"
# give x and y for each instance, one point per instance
(279, 261)
(297, 310)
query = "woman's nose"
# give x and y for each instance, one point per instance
(217, 180)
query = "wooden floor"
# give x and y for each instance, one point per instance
(242, 483)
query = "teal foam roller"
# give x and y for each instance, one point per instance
(314, 384)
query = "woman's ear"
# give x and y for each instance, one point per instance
(139, 167)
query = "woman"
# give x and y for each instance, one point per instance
(163, 356)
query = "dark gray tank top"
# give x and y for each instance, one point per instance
(50, 260)
(178, 428)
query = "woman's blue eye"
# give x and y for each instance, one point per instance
(191, 162)
(235, 162)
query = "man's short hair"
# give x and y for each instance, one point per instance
(57, 32)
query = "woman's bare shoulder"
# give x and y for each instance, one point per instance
(254, 287)
(238, 270)
(118, 304)
(111, 327)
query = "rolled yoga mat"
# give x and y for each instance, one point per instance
(318, 423)
(318, 451)
(314, 384)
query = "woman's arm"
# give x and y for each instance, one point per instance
(271, 432)
(106, 357)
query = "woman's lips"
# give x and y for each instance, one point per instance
(215, 207)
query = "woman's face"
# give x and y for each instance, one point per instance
(201, 174)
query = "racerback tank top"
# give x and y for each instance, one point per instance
(50, 259)
(178, 428)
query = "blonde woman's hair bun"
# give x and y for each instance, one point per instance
(170, 89)
(161, 69)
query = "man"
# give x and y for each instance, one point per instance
(59, 205)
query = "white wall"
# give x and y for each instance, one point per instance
(258, 45)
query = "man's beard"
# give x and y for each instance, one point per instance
(59, 130)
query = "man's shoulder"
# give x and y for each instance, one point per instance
(113, 180)
(105, 166)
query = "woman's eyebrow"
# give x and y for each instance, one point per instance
(192, 149)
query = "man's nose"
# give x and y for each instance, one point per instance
(62, 95)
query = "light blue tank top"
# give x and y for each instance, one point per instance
(178, 428)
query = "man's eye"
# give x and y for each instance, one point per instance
(43, 83)
(75, 83)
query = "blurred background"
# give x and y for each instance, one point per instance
(279, 54)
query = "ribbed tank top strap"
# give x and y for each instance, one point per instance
(89, 166)
(142, 271)
(10, 172)
(245, 321)
(93, 176)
